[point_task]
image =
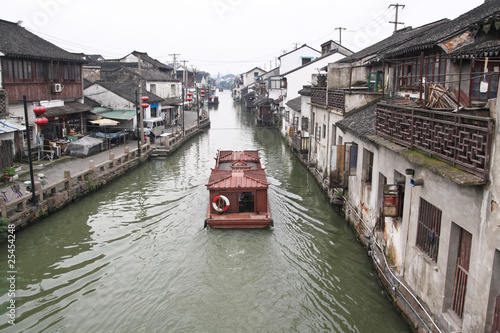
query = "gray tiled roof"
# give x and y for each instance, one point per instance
(127, 91)
(16, 41)
(400, 37)
(450, 29)
(294, 104)
(361, 124)
(67, 108)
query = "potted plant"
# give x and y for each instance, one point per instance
(8, 173)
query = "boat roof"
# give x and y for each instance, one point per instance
(245, 155)
(238, 169)
(237, 178)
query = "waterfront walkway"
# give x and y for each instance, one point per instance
(54, 171)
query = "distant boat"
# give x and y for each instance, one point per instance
(238, 192)
(213, 100)
(221, 90)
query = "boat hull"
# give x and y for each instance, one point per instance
(239, 220)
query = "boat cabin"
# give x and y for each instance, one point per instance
(238, 191)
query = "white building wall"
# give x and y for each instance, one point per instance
(164, 89)
(107, 98)
(461, 207)
(293, 59)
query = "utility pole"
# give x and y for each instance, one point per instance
(184, 84)
(340, 34)
(141, 115)
(174, 55)
(396, 21)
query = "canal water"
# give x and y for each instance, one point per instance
(134, 257)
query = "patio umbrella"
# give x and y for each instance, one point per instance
(105, 122)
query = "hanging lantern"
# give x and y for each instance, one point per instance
(213, 89)
(190, 94)
(189, 99)
(39, 109)
(202, 95)
(40, 121)
(145, 105)
(145, 99)
(203, 91)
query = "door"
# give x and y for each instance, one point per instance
(462, 272)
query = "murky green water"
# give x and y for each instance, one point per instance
(134, 257)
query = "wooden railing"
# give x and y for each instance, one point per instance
(335, 99)
(463, 140)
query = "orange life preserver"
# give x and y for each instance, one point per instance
(216, 204)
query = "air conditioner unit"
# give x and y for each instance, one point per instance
(57, 87)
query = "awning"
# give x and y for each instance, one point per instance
(7, 126)
(68, 108)
(119, 114)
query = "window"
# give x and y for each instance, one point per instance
(334, 135)
(317, 133)
(152, 88)
(435, 69)
(429, 228)
(172, 89)
(55, 70)
(65, 68)
(484, 83)
(275, 83)
(367, 166)
(324, 131)
(306, 60)
(400, 179)
(351, 158)
(305, 124)
(409, 73)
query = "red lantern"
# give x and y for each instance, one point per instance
(202, 95)
(203, 91)
(190, 94)
(40, 121)
(213, 89)
(39, 109)
(145, 105)
(189, 99)
(145, 99)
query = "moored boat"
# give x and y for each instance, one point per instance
(238, 192)
(213, 100)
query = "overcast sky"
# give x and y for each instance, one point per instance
(220, 36)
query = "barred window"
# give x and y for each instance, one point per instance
(429, 229)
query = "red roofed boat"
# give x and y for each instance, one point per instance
(238, 192)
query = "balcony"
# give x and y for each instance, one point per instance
(462, 140)
(335, 99)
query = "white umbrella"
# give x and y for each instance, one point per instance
(105, 122)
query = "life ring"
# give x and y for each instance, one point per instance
(216, 203)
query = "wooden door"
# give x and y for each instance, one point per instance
(462, 272)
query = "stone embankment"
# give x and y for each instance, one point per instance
(71, 179)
